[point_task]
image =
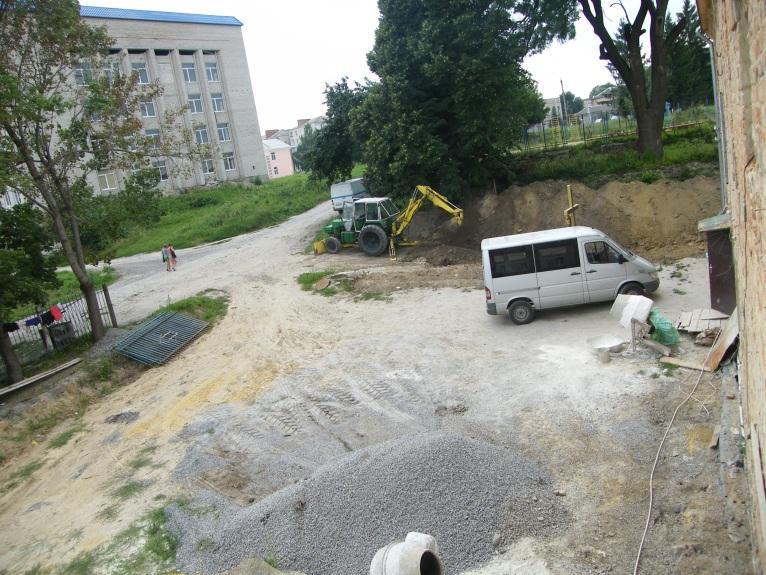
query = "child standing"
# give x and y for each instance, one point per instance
(172, 254)
(166, 256)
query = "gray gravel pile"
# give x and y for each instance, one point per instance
(464, 492)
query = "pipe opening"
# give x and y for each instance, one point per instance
(429, 564)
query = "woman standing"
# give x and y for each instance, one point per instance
(166, 257)
(172, 254)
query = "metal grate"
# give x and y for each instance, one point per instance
(156, 340)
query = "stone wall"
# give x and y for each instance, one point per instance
(738, 29)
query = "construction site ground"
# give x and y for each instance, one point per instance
(292, 388)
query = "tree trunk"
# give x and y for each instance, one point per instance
(78, 268)
(12, 363)
(649, 123)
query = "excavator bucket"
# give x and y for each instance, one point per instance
(319, 247)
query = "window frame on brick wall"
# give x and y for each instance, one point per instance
(224, 132)
(229, 163)
(187, 67)
(195, 104)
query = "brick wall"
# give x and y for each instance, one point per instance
(739, 31)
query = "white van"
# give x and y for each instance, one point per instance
(557, 268)
(347, 191)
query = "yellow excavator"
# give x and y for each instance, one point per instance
(374, 223)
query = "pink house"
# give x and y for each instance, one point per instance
(279, 158)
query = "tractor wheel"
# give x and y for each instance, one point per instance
(332, 245)
(632, 288)
(373, 240)
(521, 312)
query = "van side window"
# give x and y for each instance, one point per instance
(601, 253)
(511, 261)
(559, 255)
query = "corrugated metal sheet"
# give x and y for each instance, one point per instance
(151, 15)
(156, 340)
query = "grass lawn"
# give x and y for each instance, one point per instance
(208, 215)
(592, 161)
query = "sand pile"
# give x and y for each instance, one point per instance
(656, 220)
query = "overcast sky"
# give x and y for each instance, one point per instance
(294, 47)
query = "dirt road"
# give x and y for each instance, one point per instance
(290, 382)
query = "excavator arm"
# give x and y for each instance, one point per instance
(421, 194)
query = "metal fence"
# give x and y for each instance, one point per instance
(585, 127)
(39, 334)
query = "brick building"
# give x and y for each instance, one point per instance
(200, 62)
(738, 31)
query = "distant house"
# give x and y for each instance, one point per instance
(279, 158)
(292, 137)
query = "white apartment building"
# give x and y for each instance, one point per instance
(200, 62)
(293, 136)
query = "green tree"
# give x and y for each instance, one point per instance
(452, 99)
(623, 51)
(332, 153)
(65, 112)
(25, 272)
(573, 103)
(689, 76)
(305, 149)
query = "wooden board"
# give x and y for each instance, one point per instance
(680, 362)
(39, 377)
(699, 320)
(727, 337)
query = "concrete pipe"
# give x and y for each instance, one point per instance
(416, 555)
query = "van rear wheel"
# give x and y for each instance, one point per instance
(632, 288)
(521, 312)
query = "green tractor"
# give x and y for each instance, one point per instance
(376, 223)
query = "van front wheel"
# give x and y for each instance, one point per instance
(632, 288)
(521, 312)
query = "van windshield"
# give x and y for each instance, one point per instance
(625, 251)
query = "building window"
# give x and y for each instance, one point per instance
(82, 75)
(147, 109)
(217, 102)
(162, 168)
(143, 74)
(107, 181)
(211, 69)
(111, 71)
(276, 171)
(200, 134)
(228, 162)
(195, 103)
(273, 156)
(154, 138)
(208, 167)
(224, 133)
(190, 72)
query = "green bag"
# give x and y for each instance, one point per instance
(664, 332)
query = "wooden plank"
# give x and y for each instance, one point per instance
(694, 323)
(680, 362)
(39, 376)
(713, 314)
(683, 320)
(728, 334)
(755, 450)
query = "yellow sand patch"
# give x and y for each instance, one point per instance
(225, 388)
(697, 437)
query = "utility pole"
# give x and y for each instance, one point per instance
(564, 114)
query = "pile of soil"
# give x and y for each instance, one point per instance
(657, 220)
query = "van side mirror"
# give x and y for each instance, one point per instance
(621, 259)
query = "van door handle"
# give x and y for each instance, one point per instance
(592, 271)
(575, 274)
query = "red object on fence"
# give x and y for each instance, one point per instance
(56, 313)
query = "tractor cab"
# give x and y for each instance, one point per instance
(357, 214)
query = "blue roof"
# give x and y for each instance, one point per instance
(151, 15)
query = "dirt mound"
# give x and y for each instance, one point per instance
(657, 220)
